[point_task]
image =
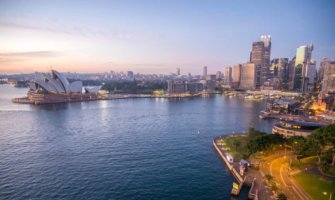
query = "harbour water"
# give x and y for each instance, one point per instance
(119, 149)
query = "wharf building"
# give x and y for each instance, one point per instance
(57, 89)
(283, 106)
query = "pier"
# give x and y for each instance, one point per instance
(233, 168)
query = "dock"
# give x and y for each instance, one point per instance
(233, 168)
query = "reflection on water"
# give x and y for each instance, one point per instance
(119, 149)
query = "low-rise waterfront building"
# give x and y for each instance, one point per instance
(295, 128)
(180, 87)
(283, 106)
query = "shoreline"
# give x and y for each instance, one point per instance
(243, 180)
(56, 98)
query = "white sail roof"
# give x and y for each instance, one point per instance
(62, 79)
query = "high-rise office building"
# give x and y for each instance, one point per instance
(311, 72)
(279, 70)
(291, 66)
(266, 39)
(236, 75)
(204, 72)
(256, 57)
(321, 69)
(218, 75)
(178, 71)
(248, 76)
(260, 56)
(227, 75)
(303, 59)
(328, 81)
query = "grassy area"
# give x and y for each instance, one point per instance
(331, 171)
(237, 146)
(305, 162)
(315, 185)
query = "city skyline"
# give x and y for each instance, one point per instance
(156, 37)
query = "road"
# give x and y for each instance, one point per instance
(278, 166)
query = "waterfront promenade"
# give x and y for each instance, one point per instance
(233, 166)
(49, 99)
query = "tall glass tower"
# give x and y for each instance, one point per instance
(302, 61)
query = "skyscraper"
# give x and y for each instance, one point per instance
(266, 39)
(279, 70)
(204, 73)
(311, 71)
(218, 75)
(227, 75)
(321, 69)
(178, 71)
(248, 76)
(303, 59)
(328, 81)
(291, 67)
(257, 53)
(260, 56)
(236, 75)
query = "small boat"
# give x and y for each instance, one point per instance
(264, 115)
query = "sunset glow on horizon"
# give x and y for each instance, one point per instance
(156, 36)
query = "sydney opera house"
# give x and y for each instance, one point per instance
(57, 89)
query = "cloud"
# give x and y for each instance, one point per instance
(17, 57)
(28, 54)
(11, 60)
(81, 30)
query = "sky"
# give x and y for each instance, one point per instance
(156, 36)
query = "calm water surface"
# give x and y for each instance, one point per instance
(119, 149)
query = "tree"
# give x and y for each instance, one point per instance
(274, 187)
(323, 140)
(268, 177)
(236, 143)
(281, 196)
